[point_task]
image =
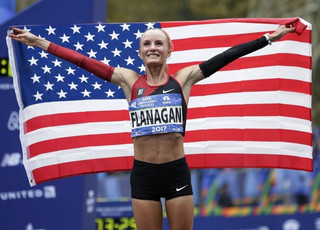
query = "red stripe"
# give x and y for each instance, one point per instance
(253, 86)
(280, 59)
(230, 40)
(250, 110)
(62, 170)
(248, 161)
(75, 118)
(276, 135)
(78, 142)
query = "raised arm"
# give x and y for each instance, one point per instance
(120, 76)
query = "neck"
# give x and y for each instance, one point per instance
(156, 75)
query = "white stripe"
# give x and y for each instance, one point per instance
(79, 154)
(260, 73)
(270, 122)
(198, 55)
(249, 147)
(47, 108)
(76, 130)
(218, 29)
(242, 98)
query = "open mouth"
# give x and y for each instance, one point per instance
(153, 55)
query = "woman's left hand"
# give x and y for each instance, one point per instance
(281, 31)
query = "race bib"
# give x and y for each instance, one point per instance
(156, 114)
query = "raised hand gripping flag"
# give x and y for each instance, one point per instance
(255, 112)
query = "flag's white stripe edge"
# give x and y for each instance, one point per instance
(210, 147)
(250, 98)
(250, 147)
(271, 122)
(260, 73)
(80, 154)
(16, 83)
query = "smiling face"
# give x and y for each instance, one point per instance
(154, 47)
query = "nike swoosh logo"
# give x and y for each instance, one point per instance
(167, 91)
(179, 189)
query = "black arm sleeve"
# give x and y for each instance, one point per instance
(217, 62)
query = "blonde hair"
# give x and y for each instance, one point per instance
(170, 44)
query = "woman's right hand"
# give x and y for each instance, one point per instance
(28, 38)
(23, 36)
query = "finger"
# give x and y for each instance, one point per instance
(17, 30)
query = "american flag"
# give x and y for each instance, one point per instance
(255, 112)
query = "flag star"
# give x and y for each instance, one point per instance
(127, 44)
(150, 25)
(46, 69)
(86, 93)
(73, 86)
(48, 86)
(64, 38)
(26, 29)
(125, 27)
(30, 47)
(51, 30)
(103, 45)
(138, 34)
(59, 78)
(110, 93)
(114, 35)
(75, 29)
(70, 71)
(129, 61)
(35, 78)
(78, 46)
(83, 78)
(33, 61)
(96, 85)
(89, 37)
(38, 96)
(43, 54)
(142, 68)
(39, 36)
(116, 52)
(92, 53)
(62, 94)
(57, 63)
(100, 28)
(105, 61)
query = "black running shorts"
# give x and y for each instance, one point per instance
(153, 181)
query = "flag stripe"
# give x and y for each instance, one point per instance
(250, 160)
(252, 86)
(251, 110)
